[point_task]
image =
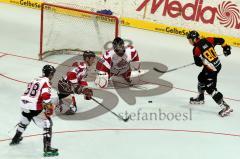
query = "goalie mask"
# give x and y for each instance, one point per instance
(89, 57)
(118, 46)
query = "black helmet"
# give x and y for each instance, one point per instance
(117, 41)
(48, 70)
(88, 54)
(193, 35)
(118, 45)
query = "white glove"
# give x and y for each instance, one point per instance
(102, 79)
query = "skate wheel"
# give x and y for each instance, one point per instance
(69, 112)
(50, 154)
(227, 113)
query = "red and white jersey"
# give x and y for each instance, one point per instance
(117, 65)
(77, 74)
(38, 91)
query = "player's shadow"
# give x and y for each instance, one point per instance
(108, 99)
(101, 95)
(147, 84)
(144, 85)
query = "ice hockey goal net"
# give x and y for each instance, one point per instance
(65, 29)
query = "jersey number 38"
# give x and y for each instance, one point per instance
(32, 89)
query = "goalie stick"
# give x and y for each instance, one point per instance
(121, 118)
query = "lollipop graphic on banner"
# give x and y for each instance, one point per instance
(228, 14)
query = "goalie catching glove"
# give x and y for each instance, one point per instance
(49, 109)
(102, 79)
(88, 93)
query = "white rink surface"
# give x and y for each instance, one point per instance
(206, 136)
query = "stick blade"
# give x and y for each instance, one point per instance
(126, 119)
(157, 70)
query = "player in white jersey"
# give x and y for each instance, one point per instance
(117, 62)
(74, 82)
(36, 105)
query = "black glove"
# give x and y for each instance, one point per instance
(227, 50)
(198, 61)
(88, 93)
(77, 89)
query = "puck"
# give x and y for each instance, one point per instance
(149, 101)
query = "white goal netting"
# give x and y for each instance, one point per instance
(66, 29)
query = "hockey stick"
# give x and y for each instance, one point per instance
(131, 85)
(156, 69)
(121, 118)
